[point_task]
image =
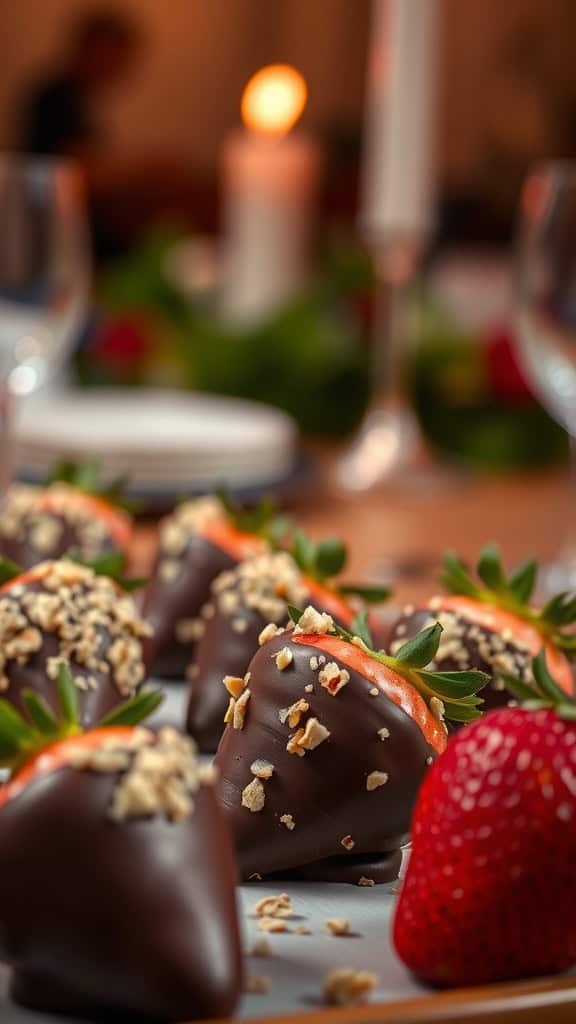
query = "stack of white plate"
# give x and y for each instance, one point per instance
(164, 439)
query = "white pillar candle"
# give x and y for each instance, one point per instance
(270, 176)
(398, 173)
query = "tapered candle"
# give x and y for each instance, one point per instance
(270, 174)
(398, 166)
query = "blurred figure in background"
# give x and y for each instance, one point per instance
(57, 117)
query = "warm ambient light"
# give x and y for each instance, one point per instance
(274, 99)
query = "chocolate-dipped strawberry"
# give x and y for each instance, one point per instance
(326, 747)
(490, 624)
(116, 871)
(71, 513)
(243, 602)
(198, 541)
(64, 613)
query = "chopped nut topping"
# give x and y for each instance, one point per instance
(187, 630)
(437, 708)
(235, 685)
(39, 516)
(240, 709)
(272, 924)
(429, 760)
(269, 632)
(168, 570)
(375, 780)
(384, 733)
(338, 925)
(366, 881)
(295, 712)
(346, 986)
(187, 519)
(256, 984)
(288, 821)
(229, 716)
(274, 906)
(266, 584)
(161, 778)
(261, 948)
(333, 678)
(309, 688)
(262, 769)
(374, 692)
(253, 796)
(347, 842)
(313, 621)
(97, 628)
(283, 658)
(314, 663)
(307, 739)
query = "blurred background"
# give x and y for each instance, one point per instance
(146, 97)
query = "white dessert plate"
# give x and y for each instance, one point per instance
(161, 438)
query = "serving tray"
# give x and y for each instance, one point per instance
(297, 968)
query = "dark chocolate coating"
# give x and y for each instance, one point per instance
(99, 917)
(380, 868)
(93, 704)
(222, 651)
(493, 695)
(21, 551)
(168, 601)
(324, 791)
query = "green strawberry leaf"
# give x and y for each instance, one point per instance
(456, 684)
(369, 594)
(521, 582)
(304, 552)
(39, 713)
(8, 571)
(361, 628)
(546, 683)
(330, 557)
(456, 578)
(134, 711)
(421, 649)
(490, 569)
(295, 613)
(67, 696)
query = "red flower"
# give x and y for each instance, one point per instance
(507, 382)
(123, 344)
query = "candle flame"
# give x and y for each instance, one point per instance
(274, 99)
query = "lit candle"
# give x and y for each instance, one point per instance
(398, 178)
(270, 175)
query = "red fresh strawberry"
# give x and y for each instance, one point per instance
(490, 891)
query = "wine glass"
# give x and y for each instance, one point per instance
(546, 308)
(44, 274)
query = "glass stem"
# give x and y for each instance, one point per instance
(395, 267)
(6, 438)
